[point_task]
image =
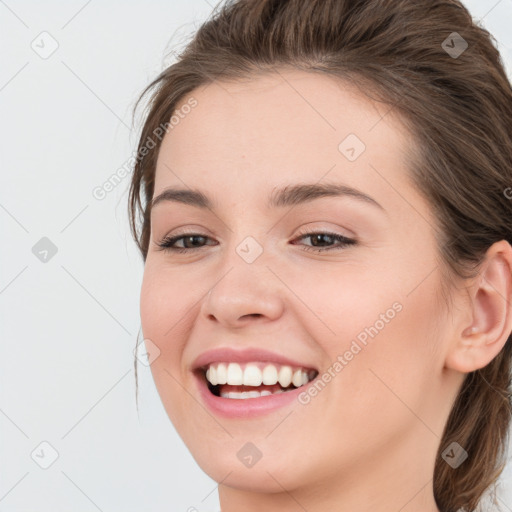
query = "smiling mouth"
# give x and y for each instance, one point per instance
(254, 380)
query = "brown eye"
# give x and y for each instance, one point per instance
(320, 237)
(191, 242)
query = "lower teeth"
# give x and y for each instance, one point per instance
(249, 394)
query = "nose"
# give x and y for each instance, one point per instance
(243, 295)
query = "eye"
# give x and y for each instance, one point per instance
(327, 238)
(194, 241)
(167, 244)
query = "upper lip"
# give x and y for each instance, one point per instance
(246, 355)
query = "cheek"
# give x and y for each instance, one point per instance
(163, 312)
(154, 301)
(381, 341)
(340, 307)
(163, 307)
(397, 371)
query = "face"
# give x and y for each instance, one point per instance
(344, 284)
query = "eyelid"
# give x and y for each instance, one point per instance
(166, 244)
(189, 229)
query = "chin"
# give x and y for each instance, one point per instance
(267, 475)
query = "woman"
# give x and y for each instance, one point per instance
(325, 224)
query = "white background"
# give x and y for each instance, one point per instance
(69, 326)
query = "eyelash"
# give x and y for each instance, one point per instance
(167, 243)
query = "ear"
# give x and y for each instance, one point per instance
(478, 341)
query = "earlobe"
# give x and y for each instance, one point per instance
(478, 343)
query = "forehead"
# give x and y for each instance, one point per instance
(285, 127)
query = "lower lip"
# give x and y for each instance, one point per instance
(245, 407)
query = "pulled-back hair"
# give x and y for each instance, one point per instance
(458, 109)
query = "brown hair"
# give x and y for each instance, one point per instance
(458, 109)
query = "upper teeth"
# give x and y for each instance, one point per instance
(255, 374)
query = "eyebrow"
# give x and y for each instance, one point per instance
(290, 195)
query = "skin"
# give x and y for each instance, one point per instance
(368, 441)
